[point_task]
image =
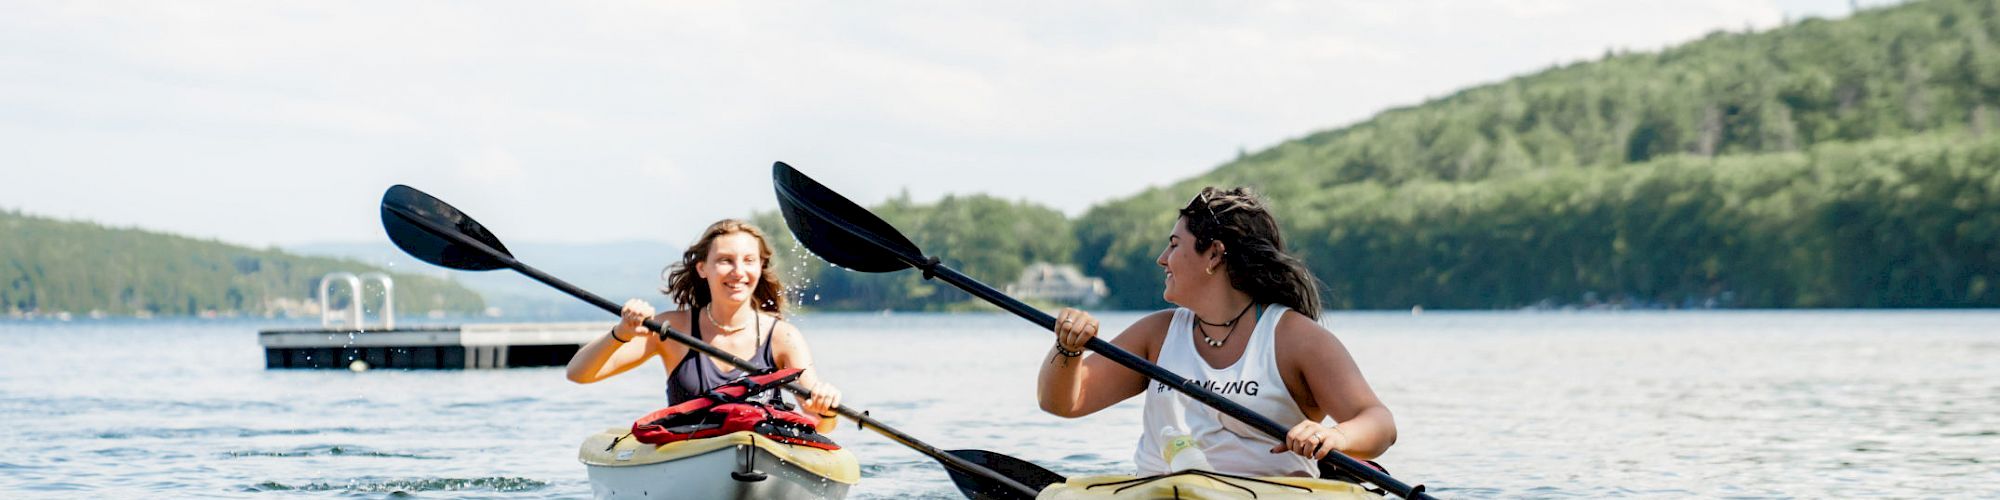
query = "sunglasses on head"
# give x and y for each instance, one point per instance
(1203, 199)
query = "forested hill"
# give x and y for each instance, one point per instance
(1845, 163)
(50, 266)
(985, 237)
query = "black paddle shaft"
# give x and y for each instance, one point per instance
(862, 418)
(801, 197)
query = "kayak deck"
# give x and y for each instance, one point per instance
(1194, 486)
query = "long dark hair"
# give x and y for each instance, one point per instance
(1253, 250)
(689, 290)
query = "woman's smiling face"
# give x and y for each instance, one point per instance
(1185, 267)
(734, 266)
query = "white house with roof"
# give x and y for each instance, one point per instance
(1059, 283)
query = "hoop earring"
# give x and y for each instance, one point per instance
(1211, 270)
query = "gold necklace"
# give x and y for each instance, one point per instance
(718, 324)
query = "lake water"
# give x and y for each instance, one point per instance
(1502, 404)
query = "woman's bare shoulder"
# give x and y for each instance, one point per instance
(1147, 333)
(676, 319)
(1153, 324)
(1296, 330)
(784, 329)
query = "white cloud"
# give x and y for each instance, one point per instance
(490, 165)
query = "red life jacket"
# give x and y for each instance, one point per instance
(728, 409)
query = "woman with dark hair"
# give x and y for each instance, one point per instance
(727, 297)
(1247, 328)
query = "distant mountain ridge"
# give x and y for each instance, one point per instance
(57, 267)
(615, 270)
(1827, 163)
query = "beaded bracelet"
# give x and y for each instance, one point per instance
(1066, 352)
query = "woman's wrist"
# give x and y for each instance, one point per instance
(1065, 352)
(1340, 439)
(614, 336)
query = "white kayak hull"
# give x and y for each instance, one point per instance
(727, 467)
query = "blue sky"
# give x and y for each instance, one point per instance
(281, 122)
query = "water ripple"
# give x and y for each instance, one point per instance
(1710, 405)
(498, 403)
(329, 451)
(372, 485)
(206, 432)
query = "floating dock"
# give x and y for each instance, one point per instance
(447, 347)
(345, 336)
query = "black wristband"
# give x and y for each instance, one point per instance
(614, 336)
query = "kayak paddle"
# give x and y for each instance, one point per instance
(433, 231)
(849, 236)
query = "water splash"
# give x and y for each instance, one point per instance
(800, 268)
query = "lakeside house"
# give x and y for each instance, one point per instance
(1058, 283)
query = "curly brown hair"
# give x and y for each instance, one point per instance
(687, 288)
(1253, 249)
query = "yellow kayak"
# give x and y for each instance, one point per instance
(1193, 486)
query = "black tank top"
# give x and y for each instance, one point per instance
(696, 374)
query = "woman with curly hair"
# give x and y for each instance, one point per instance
(727, 296)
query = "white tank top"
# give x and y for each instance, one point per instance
(1232, 446)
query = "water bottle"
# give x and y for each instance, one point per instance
(1181, 452)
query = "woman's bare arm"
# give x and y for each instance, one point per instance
(1336, 386)
(1073, 387)
(789, 350)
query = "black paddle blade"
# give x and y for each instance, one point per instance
(1022, 471)
(403, 206)
(838, 230)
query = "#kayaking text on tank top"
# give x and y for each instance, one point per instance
(696, 374)
(1253, 381)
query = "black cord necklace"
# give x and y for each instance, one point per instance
(1231, 325)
